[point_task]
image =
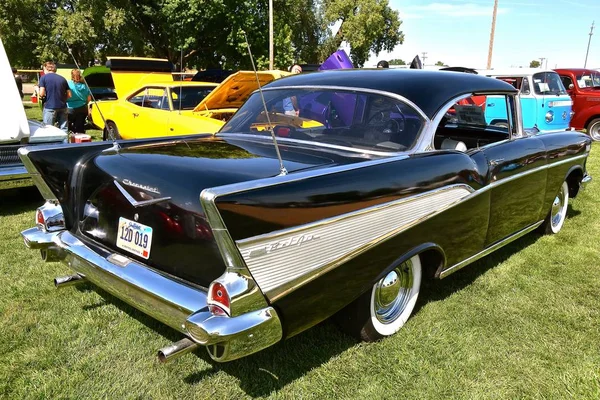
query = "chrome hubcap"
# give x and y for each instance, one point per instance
(594, 131)
(558, 208)
(393, 292)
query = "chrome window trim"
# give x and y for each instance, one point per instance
(352, 89)
(436, 121)
(415, 148)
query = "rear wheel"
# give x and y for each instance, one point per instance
(111, 131)
(384, 309)
(593, 129)
(558, 212)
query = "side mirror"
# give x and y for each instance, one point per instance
(571, 86)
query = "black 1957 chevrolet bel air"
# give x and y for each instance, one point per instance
(378, 179)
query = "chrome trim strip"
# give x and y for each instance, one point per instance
(528, 172)
(13, 173)
(164, 299)
(284, 260)
(489, 249)
(136, 203)
(244, 294)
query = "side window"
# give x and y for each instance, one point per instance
(476, 121)
(525, 88)
(151, 98)
(567, 81)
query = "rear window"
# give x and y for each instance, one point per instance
(330, 116)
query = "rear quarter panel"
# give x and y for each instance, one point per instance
(260, 213)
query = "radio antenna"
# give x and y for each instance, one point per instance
(180, 80)
(282, 170)
(110, 132)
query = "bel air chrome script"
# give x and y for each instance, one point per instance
(289, 242)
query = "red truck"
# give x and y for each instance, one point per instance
(583, 85)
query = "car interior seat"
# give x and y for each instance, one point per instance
(451, 144)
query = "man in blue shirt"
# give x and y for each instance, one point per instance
(56, 91)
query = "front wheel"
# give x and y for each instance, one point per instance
(593, 129)
(558, 212)
(384, 309)
(111, 132)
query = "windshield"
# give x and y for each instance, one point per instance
(588, 79)
(188, 97)
(332, 116)
(548, 83)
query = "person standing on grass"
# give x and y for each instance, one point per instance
(18, 81)
(55, 89)
(77, 104)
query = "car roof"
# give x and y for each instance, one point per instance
(512, 71)
(428, 90)
(576, 70)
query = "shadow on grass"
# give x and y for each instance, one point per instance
(19, 200)
(271, 369)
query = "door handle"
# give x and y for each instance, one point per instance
(491, 104)
(171, 129)
(494, 163)
(136, 115)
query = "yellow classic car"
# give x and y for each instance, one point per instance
(150, 104)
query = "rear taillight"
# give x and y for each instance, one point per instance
(39, 219)
(218, 299)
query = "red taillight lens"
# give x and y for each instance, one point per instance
(218, 296)
(39, 218)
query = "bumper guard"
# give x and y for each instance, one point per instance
(170, 301)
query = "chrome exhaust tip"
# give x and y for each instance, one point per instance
(52, 254)
(176, 350)
(64, 281)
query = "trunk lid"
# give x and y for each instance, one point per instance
(181, 242)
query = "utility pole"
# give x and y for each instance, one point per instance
(491, 48)
(588, 48)
(424, 54)
(271, 53)
(542, 62)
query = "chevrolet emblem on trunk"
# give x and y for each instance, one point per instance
(135, 202)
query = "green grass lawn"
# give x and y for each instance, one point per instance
(521, 323)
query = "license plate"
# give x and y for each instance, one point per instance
(134, 237)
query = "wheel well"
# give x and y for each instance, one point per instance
(573, 180)
(432, 261)
(590, 119)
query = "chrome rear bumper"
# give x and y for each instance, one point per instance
(585, 180)
(173, 302)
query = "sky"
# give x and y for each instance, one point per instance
(457, 32)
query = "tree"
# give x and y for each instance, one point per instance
(203, 33)
(397, 61)
(366, 25)
(440, 64)
(534, 64)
